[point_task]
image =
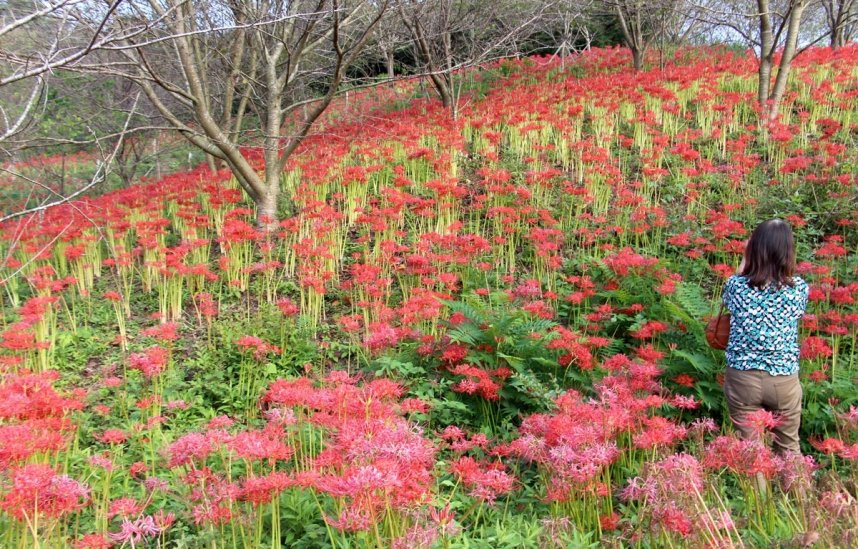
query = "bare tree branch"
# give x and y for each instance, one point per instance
(100, 175)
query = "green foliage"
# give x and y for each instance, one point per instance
(500, 335)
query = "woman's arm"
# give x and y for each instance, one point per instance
(727, 293)
(742, 264)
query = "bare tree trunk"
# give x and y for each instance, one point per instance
(767, 51)
(157, 158)
(424, 52)
(390, 74)
(841, 17)
(266, 64)
(629, 17)
(788, 55)
(63, 176)
(838, 38)
(267, 207)
(637, 59)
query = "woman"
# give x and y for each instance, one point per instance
(766, 302)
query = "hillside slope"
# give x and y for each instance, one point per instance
(471, 332)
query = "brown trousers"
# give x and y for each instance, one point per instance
(750, 390)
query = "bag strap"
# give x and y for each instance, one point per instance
(720, 315)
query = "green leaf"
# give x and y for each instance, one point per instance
(700, 362)
(514, 361)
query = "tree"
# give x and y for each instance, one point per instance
(280, 62)
(450, 35)
(33, 41)
(39, 40)
(389, 38)
(841, 17)
(773, 26)
(643, 22)
(768, 26)
(568, 27)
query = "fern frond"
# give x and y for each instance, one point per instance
(538, 325)
(614, 347)
(691, 299)
(470, 312)
(700, 362)
(466, 333)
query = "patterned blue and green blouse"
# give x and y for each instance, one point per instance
(764, 325)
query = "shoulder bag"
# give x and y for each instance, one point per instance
(718, 330)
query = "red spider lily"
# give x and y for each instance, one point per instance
(415, 405)
(813, 347)
(112, 296)
(381, 335)
(259, 445)
(831, 248)
(828, 445)
(649, 353)
(124, 507)
(684, 380)
(658, 431)
(422, 234)
(287, 307)
(20, 441)
(626, 261)
(480, 382)
(206, 304)
(262, 489)
(37, 489)
(723, 270)
(746, 457)
(574, 445)
(849, 452)
(486, 481)
(92, 541)
(163, 332)
(137, 531)
(102, 461)
(260, 348)
(17, 339)
(150, 362)
(423, 305)
(574, 345)
(189, 448)
(850, 417)
(455, 352)
(761, 421)
(684, 402)
(112, 436)
(351, 520)
(649, 329)
(27, 396)
(389, 464)
(675, 511)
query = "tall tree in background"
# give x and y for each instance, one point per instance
(448, 35)
(40, 42)
(777, 28)
(37, 38)
(841, 18)
(389, 38)
(280, 62)
(644, 23)
(769, 27)
(638, 30)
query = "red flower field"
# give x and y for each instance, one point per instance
(471, 332)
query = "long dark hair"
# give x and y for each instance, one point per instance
(770, 255)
